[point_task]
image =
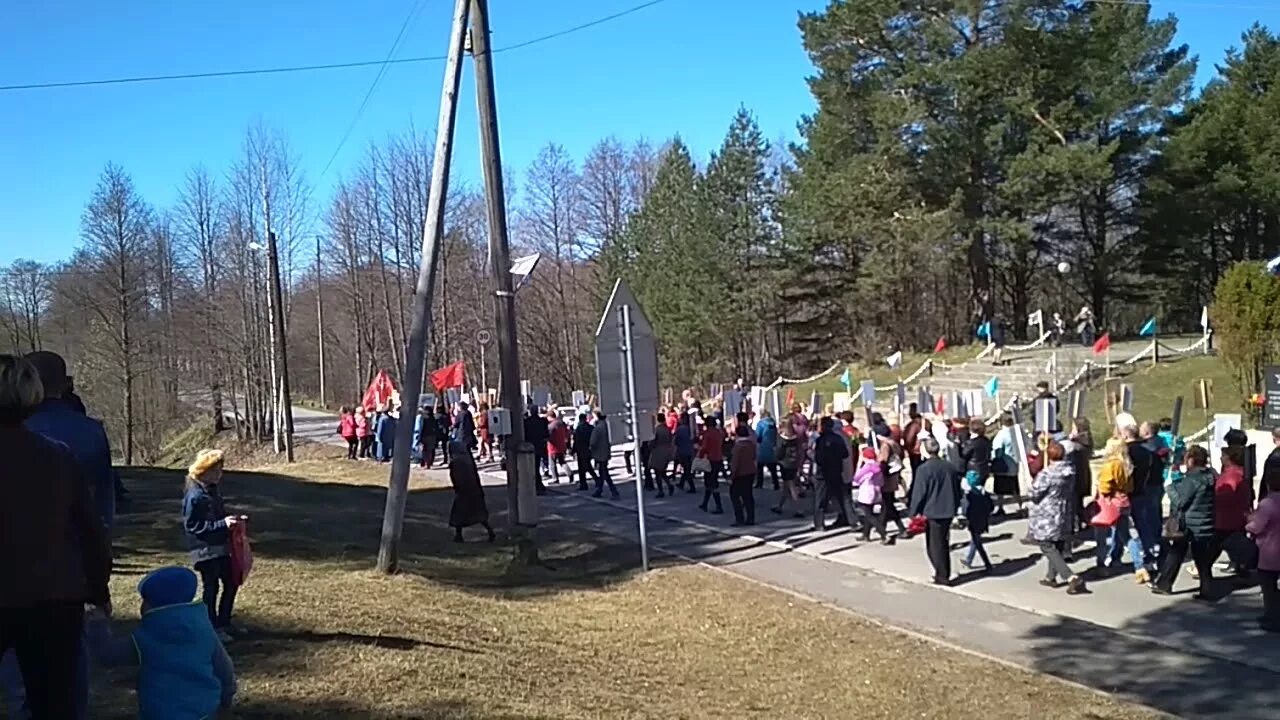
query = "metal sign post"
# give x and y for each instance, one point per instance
(627, 380)
(633, 424)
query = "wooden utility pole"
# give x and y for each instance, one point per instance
(320, 318)
(416, 350)
(499, 251)
(277, 322)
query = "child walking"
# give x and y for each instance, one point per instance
(977, 513)
(868, 483)
(1264, 525)
(207, 526)
(184, 672)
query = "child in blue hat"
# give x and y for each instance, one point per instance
(184, 672)
(977, 513)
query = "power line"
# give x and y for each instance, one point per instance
(372, 86)
(315, 67)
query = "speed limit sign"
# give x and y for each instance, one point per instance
(484, 337)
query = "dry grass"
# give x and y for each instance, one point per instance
(461, 635)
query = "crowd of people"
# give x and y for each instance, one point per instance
(55, 564)
(1151, 497)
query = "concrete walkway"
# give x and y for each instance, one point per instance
(1182, 656)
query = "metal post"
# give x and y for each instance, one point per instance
(277, 321)
(320, 319)
(416, 352)
(633, 422)
(499, 248)
(484, 379)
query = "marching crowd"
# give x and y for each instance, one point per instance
(1150, 497)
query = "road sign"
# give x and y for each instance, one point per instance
(611, 367)
(484, 337)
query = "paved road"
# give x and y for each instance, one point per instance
(1173, 653)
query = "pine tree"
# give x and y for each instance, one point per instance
(741, 199)
(1214, 196)
(667, 254)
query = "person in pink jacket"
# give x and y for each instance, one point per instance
(1264, 526)
(868, 482)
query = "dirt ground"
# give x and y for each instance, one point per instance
(460, 634)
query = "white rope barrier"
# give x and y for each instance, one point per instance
(794, 381)
(1206, 432)
(1194, 346)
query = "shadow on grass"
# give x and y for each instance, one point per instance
(339, 525)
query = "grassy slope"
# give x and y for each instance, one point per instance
(460, 635)
(1155, 389)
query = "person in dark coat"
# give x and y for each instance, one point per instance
(829, 454)
(55, 547)
(582, 450)
(1271, 466)
(935, 494)
(537, 432)
(1191, 502)
(976, 451)
(468, 507)
(1051, 522)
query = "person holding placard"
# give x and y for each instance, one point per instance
(1050, 522)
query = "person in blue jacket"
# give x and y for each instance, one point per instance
(384, 434)
(207, 527)
(767, 450)
(184, 672)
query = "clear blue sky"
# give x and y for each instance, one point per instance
(681, 66)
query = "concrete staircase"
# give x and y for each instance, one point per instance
(1018, 375)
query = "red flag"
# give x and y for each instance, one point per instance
(1103, 344)
(791, 397)
(449, 376)
(941, 345)
(380, 391)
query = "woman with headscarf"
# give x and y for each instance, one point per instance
(469, 506)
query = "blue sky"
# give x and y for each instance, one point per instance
(681, 66)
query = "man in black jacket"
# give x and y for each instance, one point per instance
(1272, 464)
(582, 450)
(935, 494)
(1147, 496)
(829, 453)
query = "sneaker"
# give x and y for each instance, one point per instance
(1054, 584)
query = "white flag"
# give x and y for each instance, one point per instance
(1204, 317)
(895, 360)
(522, 268)
(1036, 318)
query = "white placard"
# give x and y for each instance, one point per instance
(868, 393)
(499, 422)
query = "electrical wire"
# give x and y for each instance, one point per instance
(315, 67)
(382, 70)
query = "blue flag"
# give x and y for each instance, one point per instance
(845, 379)
(1148, 328)
(984, 330)
(993, 386)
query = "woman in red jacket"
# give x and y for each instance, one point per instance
(363, 436)
(1232, 503)
(347, 430)
(711, 448)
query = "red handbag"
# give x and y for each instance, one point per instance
(1110, 508)
(241, 554)
(916, 525)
